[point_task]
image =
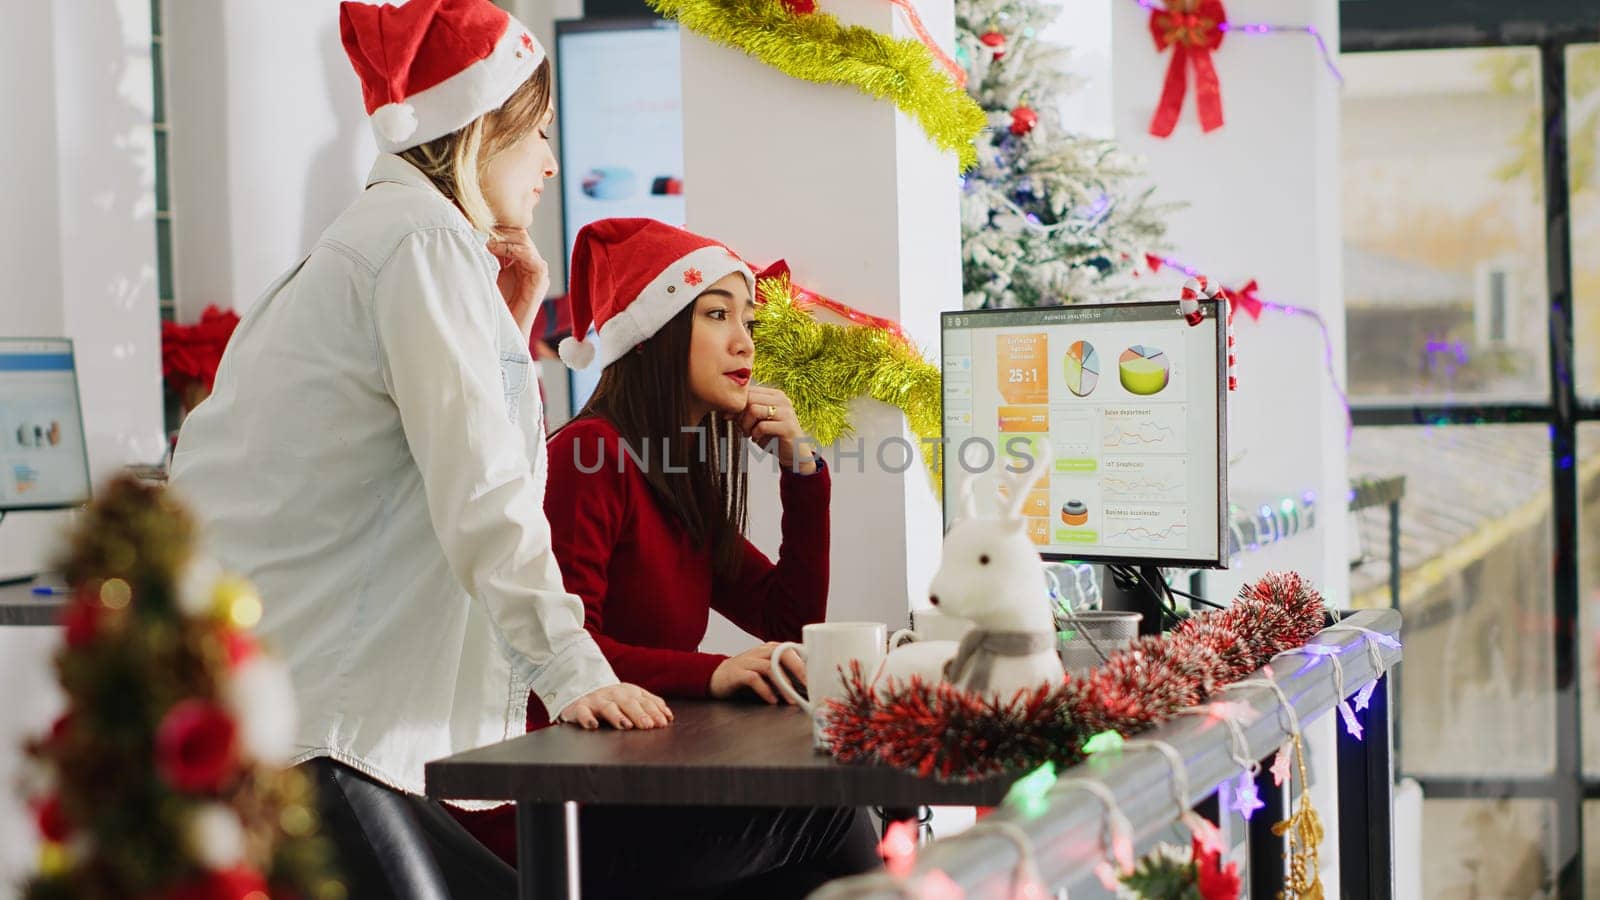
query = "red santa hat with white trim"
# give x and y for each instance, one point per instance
(430, 67)
(629, 277)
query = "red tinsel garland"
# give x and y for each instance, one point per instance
(950, 734)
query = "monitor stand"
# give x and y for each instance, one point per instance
(1134, 596)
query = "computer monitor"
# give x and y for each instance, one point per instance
(620, 108)
(1132, 400)
(42, 450)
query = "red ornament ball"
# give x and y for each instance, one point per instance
(196, 746)
(1022, 120)
(81, 620)
(52, 822)
(995, 41)
(801, 7)
(237, 883)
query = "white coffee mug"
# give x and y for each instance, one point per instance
(931, 625)
(827, 648)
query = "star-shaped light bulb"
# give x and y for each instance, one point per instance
(1364, 696)
(1245, 798)
(1351, 724)
(899, 847)
(1028, 792)
(1280, 766)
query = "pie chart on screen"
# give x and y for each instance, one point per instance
(1143, 370)
(1082, 368)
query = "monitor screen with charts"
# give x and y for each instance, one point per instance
(1131, 399)
(44, 463)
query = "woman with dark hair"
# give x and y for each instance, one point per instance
(647, 501)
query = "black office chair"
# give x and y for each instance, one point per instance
(393, 846)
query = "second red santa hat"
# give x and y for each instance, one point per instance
(629, 277)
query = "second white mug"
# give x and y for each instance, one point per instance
(932, 625)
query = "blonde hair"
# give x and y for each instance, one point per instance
(456, 162)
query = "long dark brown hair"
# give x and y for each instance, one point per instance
(645, 395)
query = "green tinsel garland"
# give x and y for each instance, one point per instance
(816, 47)
(822, 367)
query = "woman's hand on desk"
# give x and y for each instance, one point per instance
(752, 669)
(620, 705)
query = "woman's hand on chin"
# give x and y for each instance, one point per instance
(769, 417)
(622, 706)
(524, 275)
(753, 669)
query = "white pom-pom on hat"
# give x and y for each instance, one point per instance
(395, 121)
(215, 836)
(577, 354)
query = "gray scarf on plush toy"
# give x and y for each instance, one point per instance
(974, 660)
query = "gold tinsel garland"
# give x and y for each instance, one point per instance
(1303, 878)
(822, 367)
(816, 47)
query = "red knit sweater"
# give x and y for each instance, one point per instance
(647, 588)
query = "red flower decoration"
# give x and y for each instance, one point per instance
(1214, 881)
(237, 883)
(692, 277)
(190, 353)
(196, 746)
(52, 822)
(527, 41)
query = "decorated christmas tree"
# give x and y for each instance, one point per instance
(1048, 217)
(164, 777)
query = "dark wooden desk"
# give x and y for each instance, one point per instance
(19, 605)
(714, 754)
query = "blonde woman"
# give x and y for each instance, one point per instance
(372, 455)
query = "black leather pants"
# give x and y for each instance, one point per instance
(727, 851)
(395, 845)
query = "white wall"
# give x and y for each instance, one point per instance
(77, 244)
(269, 142)
(1263, 195)
(1263, 203)
(871, 220)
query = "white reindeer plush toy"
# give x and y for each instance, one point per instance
(992, 574)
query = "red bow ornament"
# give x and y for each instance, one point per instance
(1246, 299)
(1193, 29)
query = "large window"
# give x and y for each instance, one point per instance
(1472, 276)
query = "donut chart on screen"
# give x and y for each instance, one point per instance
(1143, 370)
(1081, 368)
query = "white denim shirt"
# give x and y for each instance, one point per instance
(372, 458)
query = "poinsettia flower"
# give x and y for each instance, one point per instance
(1215, 881)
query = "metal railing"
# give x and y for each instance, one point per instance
(1066, 834)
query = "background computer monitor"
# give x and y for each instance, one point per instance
(1132, 400)
(620, 107)
(44, 461)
